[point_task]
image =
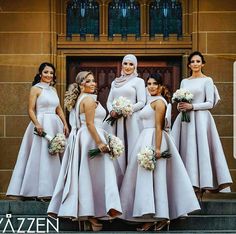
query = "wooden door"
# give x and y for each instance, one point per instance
(106, 69)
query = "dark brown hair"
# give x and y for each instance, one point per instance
(37, 77)
(164, 92)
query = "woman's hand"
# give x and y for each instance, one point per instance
(103, 148)
(158, 154)
(114, 114)
(39, 129)
(184, 106)
(66, 130)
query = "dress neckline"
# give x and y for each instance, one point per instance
(43, 85)
(195, 78)
(94, 96)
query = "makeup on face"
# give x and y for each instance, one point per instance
(152, 86)
(89, 84)
(128, 67)
(47, 75)
(196, 63)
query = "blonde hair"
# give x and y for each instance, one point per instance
(73, 92)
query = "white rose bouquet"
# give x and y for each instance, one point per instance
(115, 145)
(56, 144)
(183, 95)
(147, 157)
(123, 107)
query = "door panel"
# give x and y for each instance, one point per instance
(106, 69)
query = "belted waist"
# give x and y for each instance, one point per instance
(46, 113)
(95, 124)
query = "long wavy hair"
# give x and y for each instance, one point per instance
(164, 90)
(37, 77)
(73, 92)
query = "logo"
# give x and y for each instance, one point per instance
(15, 224)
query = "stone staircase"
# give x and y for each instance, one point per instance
(218, 215)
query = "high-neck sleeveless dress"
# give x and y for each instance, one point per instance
(36, 171)
(166, 192)
(127, 129)
(85, 187)
(198, 141)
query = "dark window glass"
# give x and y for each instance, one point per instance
(82, 17)
(124, 18)
(165, 18)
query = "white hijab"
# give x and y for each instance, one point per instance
(120, 81)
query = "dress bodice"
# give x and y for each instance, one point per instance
(147, 114)
(47, 101)
(100, 112)
(134, 90)
(128, 91)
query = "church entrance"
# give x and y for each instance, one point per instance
(106, 69)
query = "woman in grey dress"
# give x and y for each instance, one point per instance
(198, 141)
(132, 87)
(36, 171)
(165, 193)
(86, 188)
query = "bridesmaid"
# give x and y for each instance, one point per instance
(198, 141)
(36, 171)
(155, 197)
(86, 188)
(128, 85)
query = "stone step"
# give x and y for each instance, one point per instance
(216, 207)
(209, 223)
(205, 222)
(169, 232)
(23, 207)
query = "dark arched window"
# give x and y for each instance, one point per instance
(82, 17)
(165, 17)
(124, 18)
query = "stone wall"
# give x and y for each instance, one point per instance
(214, 34)
(25, 42)
(28, 37)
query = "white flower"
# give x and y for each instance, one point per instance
(115, 144)
(57, 144)
(147, 159)
(182, 95)
(122, 106)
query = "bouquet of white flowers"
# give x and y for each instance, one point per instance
(147, 157)
(123, 107)
(56, 144)
(115, 146)
(183, 95)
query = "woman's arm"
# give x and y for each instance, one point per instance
(141, 95)
(110, 100)
(34, 93)
(160, 110)
(60, 113)
(209, 99)
(89, 106)
(209, 93)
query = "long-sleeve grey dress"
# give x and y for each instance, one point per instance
(198, 141)
(127, 129)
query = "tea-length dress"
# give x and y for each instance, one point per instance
(198, 141)
(166, 192)
(127, 129)
(36, 171)
(85, 187)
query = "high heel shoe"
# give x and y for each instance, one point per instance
(146, 227)
(199, 194)
(162, 224)
(96, 227)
